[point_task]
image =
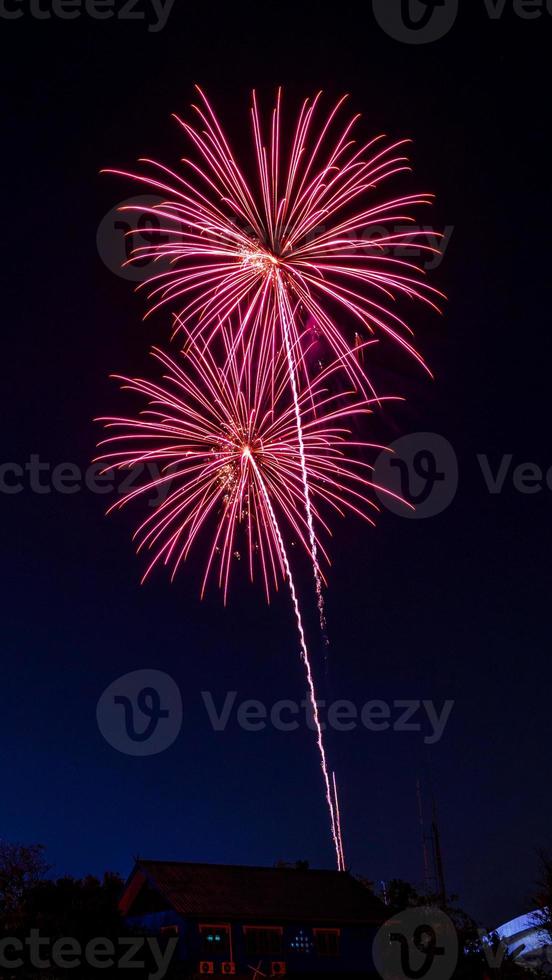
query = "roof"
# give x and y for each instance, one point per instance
(255, 893)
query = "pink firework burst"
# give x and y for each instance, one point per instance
(220, 427)
(304, 236)
(254, 442)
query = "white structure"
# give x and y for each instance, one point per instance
(527, 941)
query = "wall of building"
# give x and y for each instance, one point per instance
(298, 946)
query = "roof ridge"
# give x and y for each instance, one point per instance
(244, 867)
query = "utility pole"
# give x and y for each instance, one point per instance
(438, 856)
(427, 877)
(434, 875)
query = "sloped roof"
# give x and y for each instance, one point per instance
(255, 894)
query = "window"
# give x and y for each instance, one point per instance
(215, 942)
(263, 941)
(327, 942)
(301, 943)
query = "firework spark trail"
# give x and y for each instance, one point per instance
(338, 822)
(282, 300)
(334, 820)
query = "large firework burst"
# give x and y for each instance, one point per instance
(305, 235)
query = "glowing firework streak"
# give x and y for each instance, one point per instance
(336, 830)
(282, 300)
(338, 822)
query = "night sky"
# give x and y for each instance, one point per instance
(453, 607)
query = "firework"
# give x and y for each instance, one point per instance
(221, 420)
(253, 438)
(299, 244)
(306, 234)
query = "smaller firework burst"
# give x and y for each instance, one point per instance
(220, 427)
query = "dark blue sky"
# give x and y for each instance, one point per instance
(455, 607)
